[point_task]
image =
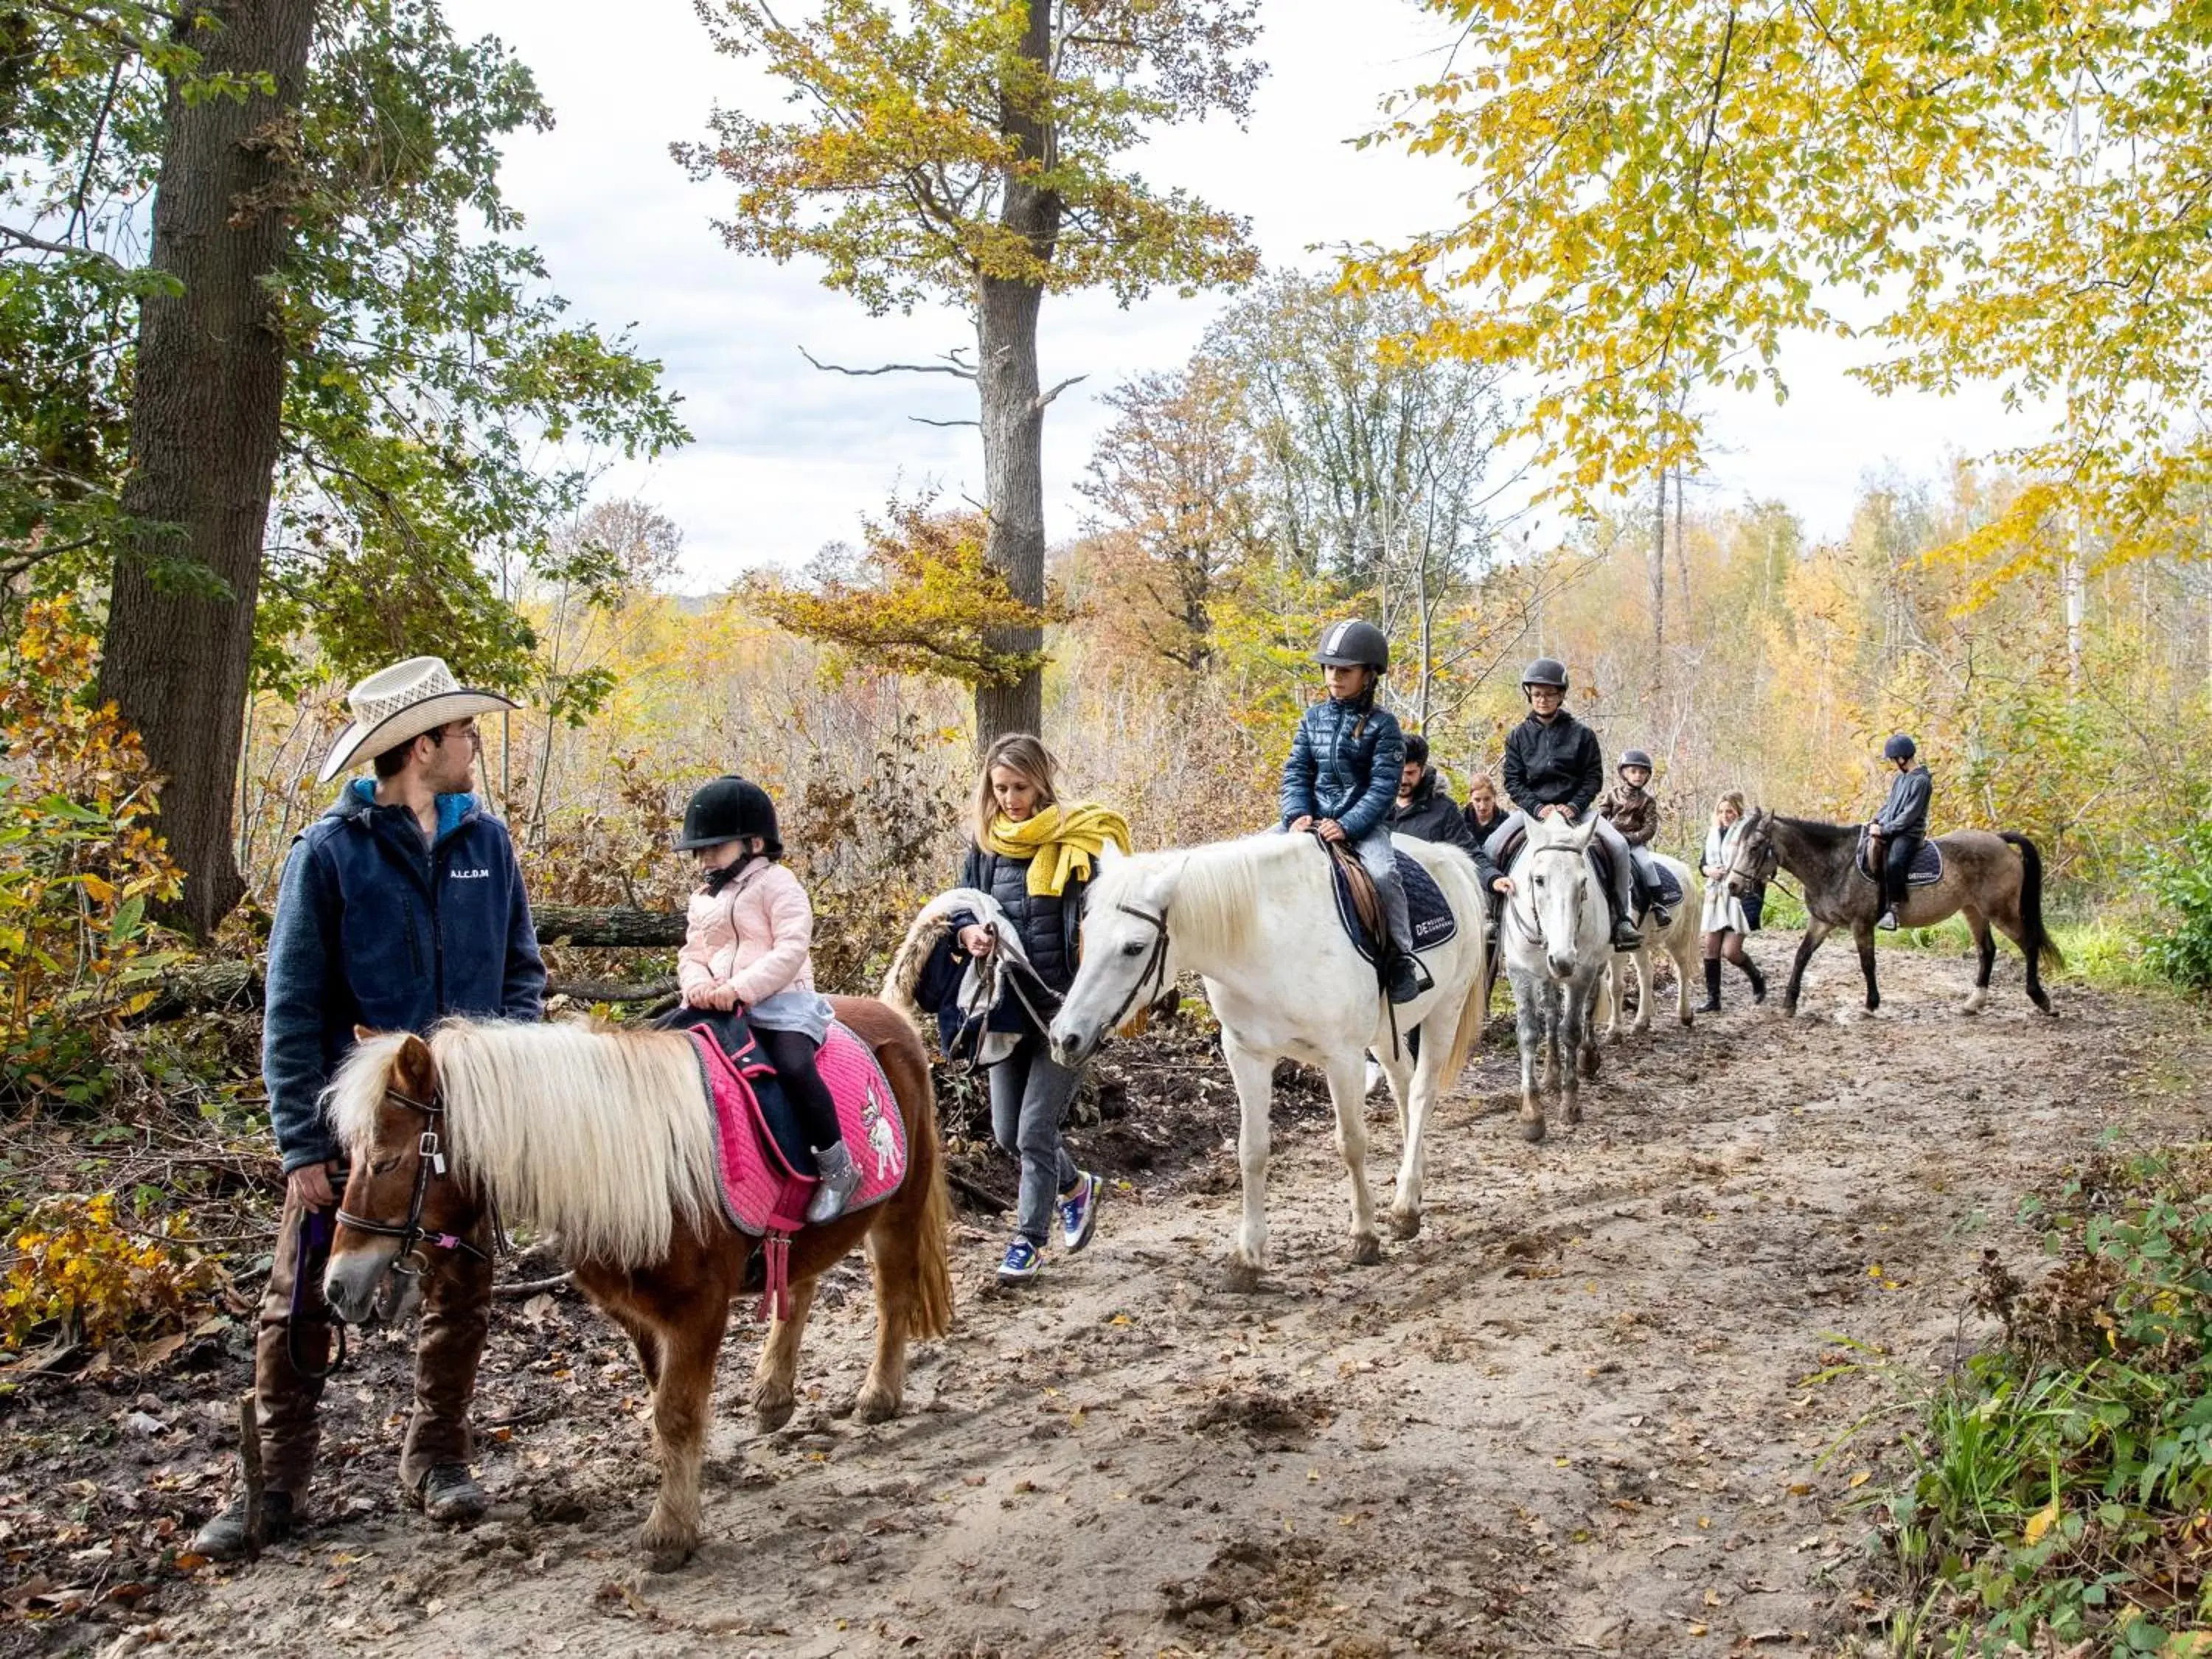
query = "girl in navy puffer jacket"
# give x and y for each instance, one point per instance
(1341, 779)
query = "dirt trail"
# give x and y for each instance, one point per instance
(1572, 1417)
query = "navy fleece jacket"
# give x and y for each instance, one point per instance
(375, 929)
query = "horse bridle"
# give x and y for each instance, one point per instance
(1156, 965)
(1532, 930)
(429, 1161)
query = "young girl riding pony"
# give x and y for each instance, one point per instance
(748, 944)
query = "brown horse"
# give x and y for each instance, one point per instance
(1995, 880)
(601, 1137)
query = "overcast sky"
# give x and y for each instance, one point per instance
(786, 459)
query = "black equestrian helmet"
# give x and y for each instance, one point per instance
(729, 808)
(1353, 645)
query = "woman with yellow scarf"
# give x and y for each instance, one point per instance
(1033, 854)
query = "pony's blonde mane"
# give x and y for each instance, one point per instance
(1213, 893)
(599, 1136)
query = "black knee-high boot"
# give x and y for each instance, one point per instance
(1712, 986)
(1757, 980)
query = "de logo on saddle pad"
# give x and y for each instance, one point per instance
(1927, 863)
(1427, 907)
(767, 1168)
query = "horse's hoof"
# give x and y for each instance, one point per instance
(666, 1554)
(877, 1404)
(1405, 1223)
(1241, 1275)
(1366, 1251)
(1573, 1114)
(771, 1413)
(1532, 1128)
(1590, 1062)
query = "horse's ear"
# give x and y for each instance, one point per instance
(1108, 855)
(361, 1034)
(412, 1066)
(1587, 833)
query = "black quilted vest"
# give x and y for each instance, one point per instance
(1047, 924)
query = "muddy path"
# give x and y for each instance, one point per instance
(1573, 1416)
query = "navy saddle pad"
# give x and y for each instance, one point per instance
(1666, 884)
(733, 1035)
(1425, 907)
(1927, 863)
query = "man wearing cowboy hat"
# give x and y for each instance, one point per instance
(401, 905)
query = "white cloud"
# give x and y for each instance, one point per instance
(787, 458)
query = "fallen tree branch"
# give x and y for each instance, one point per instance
(532, 1286)
(976, 1190)
(614, 927)
(608, 990)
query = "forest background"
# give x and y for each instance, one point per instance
(375, 350)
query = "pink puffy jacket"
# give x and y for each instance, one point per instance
(749, 941)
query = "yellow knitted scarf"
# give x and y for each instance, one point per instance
(1058, 842)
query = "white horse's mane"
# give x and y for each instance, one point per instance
(1215, 892)
(599, 1136)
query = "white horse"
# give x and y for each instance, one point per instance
(1557, 938)
(1257, 920)
(1678, 939)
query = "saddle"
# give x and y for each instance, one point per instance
(1359, 906)
(765, 1182)
(1506, 846)
(1927, 863)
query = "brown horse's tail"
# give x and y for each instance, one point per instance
(928, 1290)
(2038, 942)
(910, 1249)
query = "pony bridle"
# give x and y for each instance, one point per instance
(1155, 968)
(429, 1163)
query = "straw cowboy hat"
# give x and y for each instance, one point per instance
(402, 702)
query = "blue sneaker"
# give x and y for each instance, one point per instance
(1022, 1261)
(1078, 1210)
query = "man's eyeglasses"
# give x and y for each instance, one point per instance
(466, 733)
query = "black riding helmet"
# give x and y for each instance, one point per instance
(1353, 644)
(1545, 671)
(729, 808)
(1898, 748)
(1634, 757)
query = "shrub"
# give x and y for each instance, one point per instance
(79, 865)
(75, 1266)
(2062, 1477)
(2180, 877)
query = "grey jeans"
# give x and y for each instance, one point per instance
(1375, 851)
(1030, 1092)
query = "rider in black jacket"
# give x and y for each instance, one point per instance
(1555, 767)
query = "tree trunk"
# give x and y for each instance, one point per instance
(1659, 589)
(205, 414)
(1012, 407)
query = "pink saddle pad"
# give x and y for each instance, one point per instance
(763, 1196)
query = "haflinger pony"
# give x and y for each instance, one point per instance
(602, 1138)
(1556, 936)
(1256, 920)
(1994, 879)
(1678, 939)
